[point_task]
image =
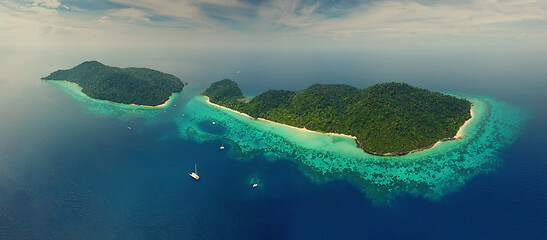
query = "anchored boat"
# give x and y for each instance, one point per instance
(195, 175)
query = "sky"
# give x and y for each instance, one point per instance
(274, 23)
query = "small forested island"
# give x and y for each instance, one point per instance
(386, 119)
(140, 86)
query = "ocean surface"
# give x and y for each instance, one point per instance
(76, 168)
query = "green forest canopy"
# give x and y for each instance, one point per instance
(391, 118)
(141, 86)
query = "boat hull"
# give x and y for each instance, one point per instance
(194, 175)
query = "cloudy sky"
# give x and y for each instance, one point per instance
(261, 23)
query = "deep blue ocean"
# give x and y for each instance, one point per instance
(67, 172)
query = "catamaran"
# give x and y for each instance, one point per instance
(195, 175)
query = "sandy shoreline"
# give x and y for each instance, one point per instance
(307, 130)
(262, 119)
(459, 134)
(229, 109)
(161, 105)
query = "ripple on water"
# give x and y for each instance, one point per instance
(431, 173)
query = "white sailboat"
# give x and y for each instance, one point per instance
(195, 175)
(222, 146)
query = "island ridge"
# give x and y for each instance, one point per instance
(386, 119)
(139, 86)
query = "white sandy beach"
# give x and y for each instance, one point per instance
(262, 119)
(229, 109)
(161, 105)
(459, 134)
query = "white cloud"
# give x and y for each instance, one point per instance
(130, 14)
(185, 10)
(411, 19)
(37, 24)
(278, 20)
(289, 13)
(47, 3)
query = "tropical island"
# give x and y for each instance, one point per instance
(385, 119)
(139, 86)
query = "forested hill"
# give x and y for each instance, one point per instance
(387, 118)
(141, 86)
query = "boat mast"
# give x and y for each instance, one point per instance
(196, 166)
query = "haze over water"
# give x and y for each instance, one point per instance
(76, 168)
(71, 168)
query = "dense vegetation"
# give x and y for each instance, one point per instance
(386, 118)
(223, 91)
(140, 86)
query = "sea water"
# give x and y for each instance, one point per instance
(431, 173)
(74, 167)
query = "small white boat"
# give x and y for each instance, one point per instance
(214, 123)
(222, 146)
(255, 185)
(195, 175)
(183, 114)
(129, 128)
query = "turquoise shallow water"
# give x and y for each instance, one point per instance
(71, 169)
(107, 108)
(431, 173)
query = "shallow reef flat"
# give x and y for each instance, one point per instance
(431, 173)
(107, 108)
